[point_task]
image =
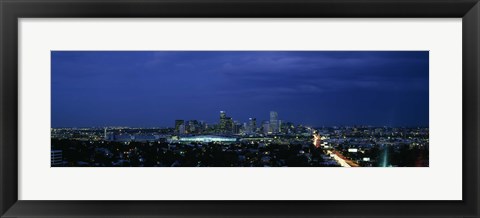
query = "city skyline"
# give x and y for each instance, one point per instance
(317, 88)
(265, 118)
(194, 145)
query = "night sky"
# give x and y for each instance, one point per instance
(317, 88)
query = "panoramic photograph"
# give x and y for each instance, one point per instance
(239, 109)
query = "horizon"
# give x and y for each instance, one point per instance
(246, 121)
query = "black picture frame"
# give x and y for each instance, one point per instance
(12, 10)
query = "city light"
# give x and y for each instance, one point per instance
(227, 143)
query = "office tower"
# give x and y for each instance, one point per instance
(181, 129)
(223, 121)
(237, 126)
(245, 128)
(178, 123)
(192, 127)
(230, 125)
(266, 127)
(226, 123)
(274, 121)
(317, 139)
(252, 125)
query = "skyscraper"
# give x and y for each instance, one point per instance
(229, 125)
(237, 126)
(178, 123)
(252, 125)
(266, 127)
(192, 126)
(226, 123)
(181, 129)
(223, 121)
(274, 122)
(223, 114)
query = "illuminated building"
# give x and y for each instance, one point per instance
(266, 127)
(237, 127)
(223, 121)
(274, 122)
(252, 125)
(229, 125)
(181, 129)
(226, 123)
(193, 127)
(178, 123)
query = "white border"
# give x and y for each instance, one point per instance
(440, 181)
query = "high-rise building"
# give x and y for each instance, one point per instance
(230, 125)
(222, 124)
(252, 125)
(193, 127)
(178, 123)
(245, 128)
(181, 129)
(226, 124)
(266, 127)
(274, 121)
(287, 127)
(237, 127)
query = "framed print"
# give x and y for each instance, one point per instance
(259, 108)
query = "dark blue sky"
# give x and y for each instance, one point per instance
(319, 88)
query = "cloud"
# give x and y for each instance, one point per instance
(241, 80)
